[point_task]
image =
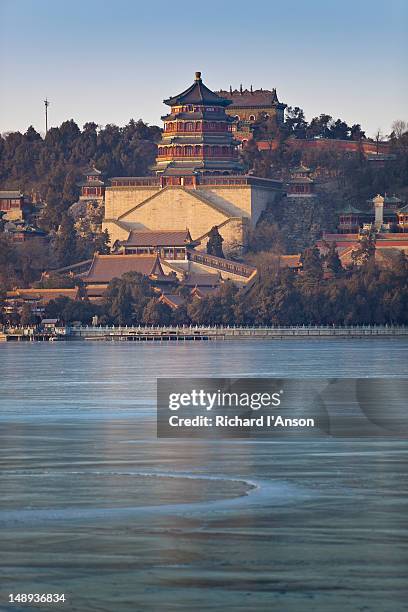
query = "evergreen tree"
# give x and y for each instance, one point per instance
(312, 269)
(26, 315)
(332, 261)
(156, 313)
(70, 191)
(126, 298)
(214, 244)
(68, 310)
(64, 247)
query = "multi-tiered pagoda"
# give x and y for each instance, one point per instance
(197, 137)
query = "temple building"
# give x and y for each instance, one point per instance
(93, 187)
(170, 245)
(351, 219)
(301, 184)
(403, 218)
(385, 214)
(198, 183)
(248, 105)
(15, 205)
(21, 231)
(386, 222)
(197, 136)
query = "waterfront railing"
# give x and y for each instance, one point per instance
(225, 332)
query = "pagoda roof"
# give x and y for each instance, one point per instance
(197, 93)
(6, 195)
(159, 238)
(300, 180)
(196, 115)
(91, 171)
(199, 138)
(200, 291)
(14, 227)
(198, 279)
(183, 168)
(93, 183)
(300, 169)
(252, 98)
(106, 267)
(349, 209)
(43, 295)
(173, 300)
(393, 200)
(404, 209)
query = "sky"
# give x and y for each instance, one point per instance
(112, 60)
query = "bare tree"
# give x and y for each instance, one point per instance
(378, 136)
(399, 127)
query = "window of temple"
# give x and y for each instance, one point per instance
(197, 125)
(189, 151)
(252, 117)
(189, 126)
(178, 150)
(197, 150)
(237, 118)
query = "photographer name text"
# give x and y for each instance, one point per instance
(269, 420)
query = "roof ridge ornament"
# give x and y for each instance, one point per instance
(198, 76)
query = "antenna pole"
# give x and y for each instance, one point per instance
(46, 104)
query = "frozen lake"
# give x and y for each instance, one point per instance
(94, 506)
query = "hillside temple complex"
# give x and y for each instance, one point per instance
(199, 181)
(248, 105)
(159, 225)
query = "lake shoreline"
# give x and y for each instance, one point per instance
(198, 333)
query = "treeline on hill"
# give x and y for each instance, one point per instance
(324, 293)
(349, 175)
(323, 126)
(51, 166)
(341, 178)
(22, 264)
